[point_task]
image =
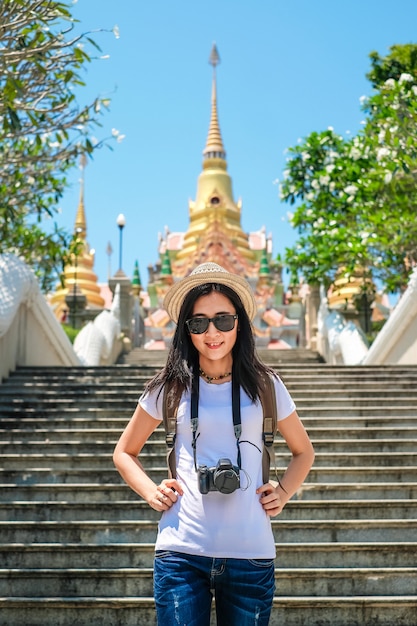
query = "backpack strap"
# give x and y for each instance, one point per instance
(170, 405)
(269, 406)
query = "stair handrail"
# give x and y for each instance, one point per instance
(339, 341)
(100, 342)
(30, 334)
(396, 343)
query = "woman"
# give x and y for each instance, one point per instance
(215, 535)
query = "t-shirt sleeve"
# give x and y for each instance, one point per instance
(285, 403)
(152, 403)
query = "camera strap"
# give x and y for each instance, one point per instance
(237, 422)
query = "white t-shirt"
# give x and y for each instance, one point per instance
(215, 524)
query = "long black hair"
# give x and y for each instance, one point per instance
(183, 358)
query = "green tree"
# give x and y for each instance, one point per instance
(43, 128)
(402, 59)
(355, 197)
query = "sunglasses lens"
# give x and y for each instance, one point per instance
(224, 322)
(199, 325)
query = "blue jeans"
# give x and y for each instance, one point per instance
(184, 586)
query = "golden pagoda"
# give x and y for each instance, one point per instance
(215, 232)
(79, 274)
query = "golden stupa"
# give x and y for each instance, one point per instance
(215, 232)
(79, 272)
(347, 288)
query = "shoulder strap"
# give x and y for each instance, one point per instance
(170, 405)
(269, 406)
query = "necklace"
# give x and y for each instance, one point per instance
(210, 378)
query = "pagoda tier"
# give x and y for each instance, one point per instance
(79, 272)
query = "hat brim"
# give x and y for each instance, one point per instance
(176, 295)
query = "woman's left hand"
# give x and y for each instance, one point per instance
(271, 500)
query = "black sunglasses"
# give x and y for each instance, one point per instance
(199, 325)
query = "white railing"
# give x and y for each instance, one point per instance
(396, 343)
(339, 342)
(29, 332)
(100, 342)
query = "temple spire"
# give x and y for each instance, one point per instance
(214, 144)
(80, 227)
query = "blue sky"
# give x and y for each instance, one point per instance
(287, 68)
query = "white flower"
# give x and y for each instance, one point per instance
(405, 78)
(350, 190)
(363, 99)
(330, 128)
(305, 156)
(390, 83)
(388, 177)
(324, 180)
(315, 184)
(414, 90)
(116, 31)
(355, 154)
(330, 168)
(310, 197)
(382, 153)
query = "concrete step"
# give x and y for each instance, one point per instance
(138, 509)
(133, 581)
(133, 531)
(92, 435)
(301, 611)
(94, 493)
(326, 474)
(90, 420)
(99, 462)
(78, 446)
(61, 510)
(289, 555)
(131, 391)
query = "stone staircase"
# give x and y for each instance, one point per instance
(76, 544)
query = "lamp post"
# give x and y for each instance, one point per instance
(121, 222)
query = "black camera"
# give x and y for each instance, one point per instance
(224, 477)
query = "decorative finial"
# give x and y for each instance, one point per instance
(214, 56)
(214, 145)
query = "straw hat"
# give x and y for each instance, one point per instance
(209, 273)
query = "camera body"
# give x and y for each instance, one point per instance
(224, 477)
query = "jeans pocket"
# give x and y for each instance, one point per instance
(262, 562)
(162, 554)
